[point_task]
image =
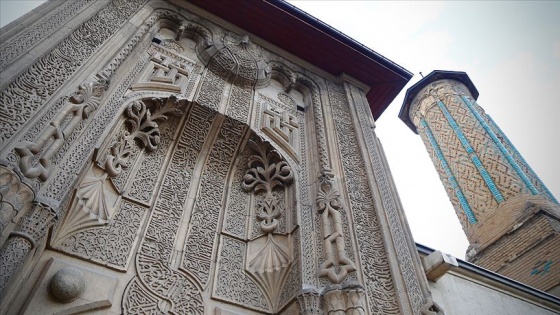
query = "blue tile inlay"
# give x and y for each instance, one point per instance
(546, 190)
(481, 169)
(504, 151)
(452, 180)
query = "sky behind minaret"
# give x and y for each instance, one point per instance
(510, 50)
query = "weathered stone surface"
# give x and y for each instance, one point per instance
(67, 284)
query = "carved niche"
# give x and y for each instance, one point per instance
(262, 271)
(111, 201)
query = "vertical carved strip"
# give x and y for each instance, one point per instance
(21, 43)
(389, 204)
(205, 217)
(309, 276)
(375, 263)
(22, 97)
(31, 229)
(336, 265)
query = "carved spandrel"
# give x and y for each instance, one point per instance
(337, 264)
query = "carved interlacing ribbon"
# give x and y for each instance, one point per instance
(79, 107)
(329, 208)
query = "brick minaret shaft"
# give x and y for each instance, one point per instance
(511, 219)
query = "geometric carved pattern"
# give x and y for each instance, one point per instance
(34, 34)
(281, 125)
(232, 283)
(109, 245)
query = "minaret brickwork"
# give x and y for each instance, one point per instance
(511, 219)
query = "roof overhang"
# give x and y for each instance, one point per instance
(306, 37)
(432, 77)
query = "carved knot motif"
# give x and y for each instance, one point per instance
(143, 127)
(267, 171)
(336, 265)
(36, 156)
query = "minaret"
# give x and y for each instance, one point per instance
(511, 219)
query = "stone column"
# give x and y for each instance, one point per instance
(493, 190)
(31, 229)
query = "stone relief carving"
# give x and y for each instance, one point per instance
(336, 265)
(168, 72)
(206, 213)
(380, 289)
(272, 262)
(281, 125)
(22, 97)
(30, 230)
(267, 171)
(232, 283)
(350, 299)
(110, 245)
(156, 281)
(19, 44)
(15, 200)
(412, 282)
(89, 209)
(310, 302)
(79, 107)
(94, 202)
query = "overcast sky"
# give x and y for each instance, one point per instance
(510, 50)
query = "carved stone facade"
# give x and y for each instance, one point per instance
(159, 159)
(509, 216)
